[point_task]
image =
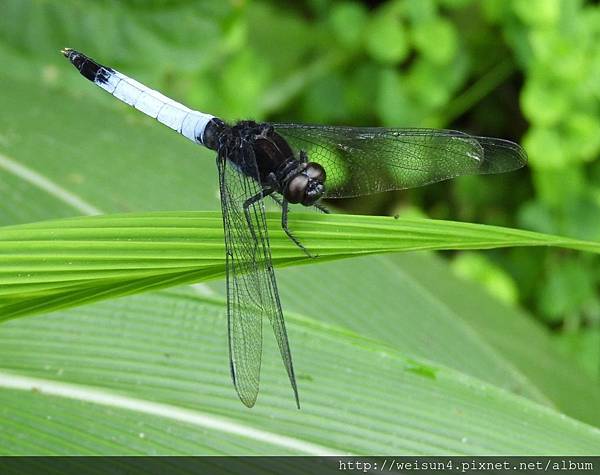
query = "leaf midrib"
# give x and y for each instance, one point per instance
(205, 420)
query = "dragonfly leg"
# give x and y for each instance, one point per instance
(284, 226)
(277, 200)
(249, 202)
(321, 208)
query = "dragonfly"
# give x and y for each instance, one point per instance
(295, 164)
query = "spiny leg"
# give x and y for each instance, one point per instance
(321, 208)
(277, 200)
(249, 202)
(284, 225)
(318, 206)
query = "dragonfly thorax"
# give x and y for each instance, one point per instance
(258, 151)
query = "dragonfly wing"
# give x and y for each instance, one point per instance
(251, 285)
(361, 161)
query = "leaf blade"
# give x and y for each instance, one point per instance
(128, 348)
(133, 252)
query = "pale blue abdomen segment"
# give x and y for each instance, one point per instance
(187, 122)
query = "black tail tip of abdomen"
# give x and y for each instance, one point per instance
(70, 53)
(76, 58)
(84, 64)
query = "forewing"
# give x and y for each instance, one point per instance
(360, 161)
(251, 286)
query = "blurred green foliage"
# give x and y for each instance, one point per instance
(519, 69)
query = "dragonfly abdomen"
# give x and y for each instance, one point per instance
(189, 123)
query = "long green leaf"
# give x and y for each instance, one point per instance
(60, 264)
(148, 374)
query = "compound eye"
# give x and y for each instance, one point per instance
(296, 188)
(315, 172)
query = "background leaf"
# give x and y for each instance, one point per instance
(169, 349)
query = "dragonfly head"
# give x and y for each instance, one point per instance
(307, 186)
